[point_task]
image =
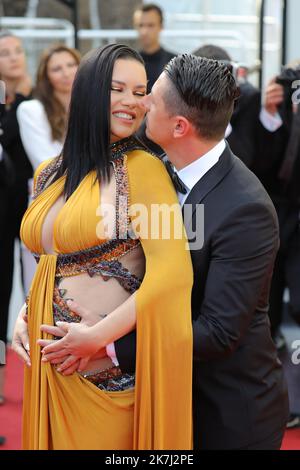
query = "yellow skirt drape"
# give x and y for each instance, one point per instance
(70, 412)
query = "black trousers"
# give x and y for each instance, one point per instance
(273, 442)
(13, 204)
(287, 266)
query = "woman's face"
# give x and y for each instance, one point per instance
(129, 85)
(61, 71)
(12, 59)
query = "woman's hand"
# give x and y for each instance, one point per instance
(78, 340)
(20, 342)
(75, 350)
(78, 344)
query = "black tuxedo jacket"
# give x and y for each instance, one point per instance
(240, 395)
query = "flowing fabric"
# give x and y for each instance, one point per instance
(70, 412)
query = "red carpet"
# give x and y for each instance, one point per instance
(11, 412)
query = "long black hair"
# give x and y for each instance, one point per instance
(87, 143)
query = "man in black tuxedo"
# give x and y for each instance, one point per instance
(240, 395)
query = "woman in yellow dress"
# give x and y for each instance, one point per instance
(126, 277)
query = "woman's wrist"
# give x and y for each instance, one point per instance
(96, 336)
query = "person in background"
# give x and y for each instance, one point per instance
(148, 21)
(2, 179)
(16, 170)
(279, 170)
(43, 120)
(242, 132)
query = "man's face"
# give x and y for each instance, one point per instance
(159, 124)
(148, 26)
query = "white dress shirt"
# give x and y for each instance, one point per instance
(36, 133)
(191, 174)
(228, 131)
(271, 122)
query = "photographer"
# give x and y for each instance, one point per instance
(278, 167)
(15, 169)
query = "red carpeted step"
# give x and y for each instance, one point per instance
(291, 440)
(11, 412)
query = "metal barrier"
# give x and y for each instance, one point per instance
(39, 33)
(40, 28)
(112, 35)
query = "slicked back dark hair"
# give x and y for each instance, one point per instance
(87, 143)
(203, 91)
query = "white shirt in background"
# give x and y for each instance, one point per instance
(36, 133)
(271, 122)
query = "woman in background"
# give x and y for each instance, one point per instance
(15, 170)
(43, 121)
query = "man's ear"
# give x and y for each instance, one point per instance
(181, 127)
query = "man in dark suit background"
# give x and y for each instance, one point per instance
(240, 395)
(278, 168)
(148, 21)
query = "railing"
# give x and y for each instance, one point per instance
(112, 35)
(38, 33)
(40, 28)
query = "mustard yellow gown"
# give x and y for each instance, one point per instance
(69, 412)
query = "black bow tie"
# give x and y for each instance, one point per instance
(178, 184)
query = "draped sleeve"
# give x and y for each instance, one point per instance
(163, 393)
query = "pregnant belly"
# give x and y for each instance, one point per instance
(98, 298)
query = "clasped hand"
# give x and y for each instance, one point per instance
(76, 348)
